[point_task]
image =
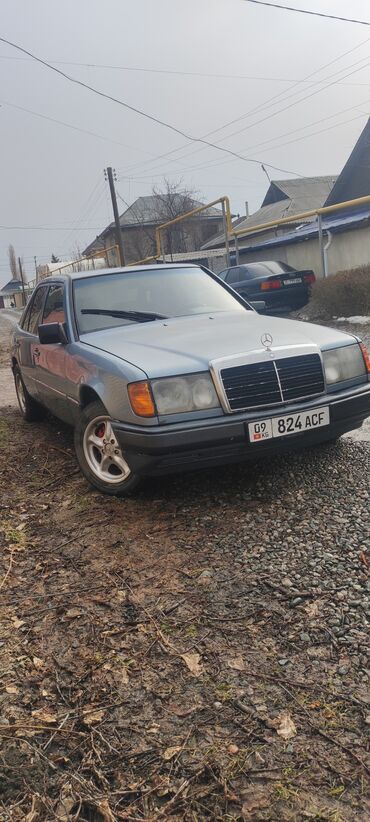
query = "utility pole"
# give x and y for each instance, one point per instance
(110, 175)
(35, 261)
(22, 280)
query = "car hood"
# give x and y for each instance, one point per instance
(184, 345)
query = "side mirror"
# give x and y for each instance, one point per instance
(51, 333)
(258, 305)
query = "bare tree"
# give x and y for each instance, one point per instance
(139, 242)
(13, 263)
(170, 200)
(173, 200)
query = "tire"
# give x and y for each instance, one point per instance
(29, 408)
(99, 454)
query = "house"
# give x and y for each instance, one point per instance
(11, 294)
(139, 221)
(284, 198)
(346, 232)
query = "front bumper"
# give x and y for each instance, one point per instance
(221, 440)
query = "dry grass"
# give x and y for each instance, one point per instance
(344, 294)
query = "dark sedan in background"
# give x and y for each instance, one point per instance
(280, 286)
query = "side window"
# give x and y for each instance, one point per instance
(245, 274)
(233, 276)
(33, 316)
(54, 308)
(26, 315)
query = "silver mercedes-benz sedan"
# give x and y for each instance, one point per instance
(165, 368)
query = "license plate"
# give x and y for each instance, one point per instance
(262, 430)
(294, 281)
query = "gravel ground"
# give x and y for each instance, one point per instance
(199, 651)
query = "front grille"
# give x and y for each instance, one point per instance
(300, 376)
(273, 382)
(248, 386)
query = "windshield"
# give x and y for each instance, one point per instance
(161, 292)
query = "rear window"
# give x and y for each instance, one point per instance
(266, 269)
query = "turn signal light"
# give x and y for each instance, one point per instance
(268, 285)
(141, 399)
(366, 356)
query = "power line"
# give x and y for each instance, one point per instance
(208, 75)
(289, 133)
(306, 11)
(141, 180)
(306, 136)
(295, 102)
(267, 117)
(267, 103)
(46, 228)
(150, 117)
(73, 127)
(85, 213)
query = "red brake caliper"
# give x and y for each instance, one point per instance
(100, 431)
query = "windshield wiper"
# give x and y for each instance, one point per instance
(139, 316)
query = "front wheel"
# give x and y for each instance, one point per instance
(99, 454)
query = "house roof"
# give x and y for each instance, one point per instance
(305, 189)
(354, 179)
(147, 211)
(334, 224)
(284, 198)
(12, 287)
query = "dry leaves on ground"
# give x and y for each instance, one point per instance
(193, 662)
(284, 726)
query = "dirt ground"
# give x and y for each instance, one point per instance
(196, 652)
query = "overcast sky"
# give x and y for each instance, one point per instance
(52, 175)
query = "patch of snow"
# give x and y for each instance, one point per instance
(355, 320)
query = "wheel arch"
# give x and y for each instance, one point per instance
(88, 395)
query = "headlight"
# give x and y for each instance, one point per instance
(174, 395)
(344, 363)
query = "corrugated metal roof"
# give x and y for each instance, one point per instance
(335, 225)
(195, 255)
(300, 189)
(150, 209)
(283, 199)
(147, 211)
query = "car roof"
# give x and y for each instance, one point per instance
(98, 272)
(261, 262)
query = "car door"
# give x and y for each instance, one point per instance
(243, 286)
(232, 277)
(26, 341)
(50, 361)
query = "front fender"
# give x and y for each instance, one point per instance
(89, 369)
